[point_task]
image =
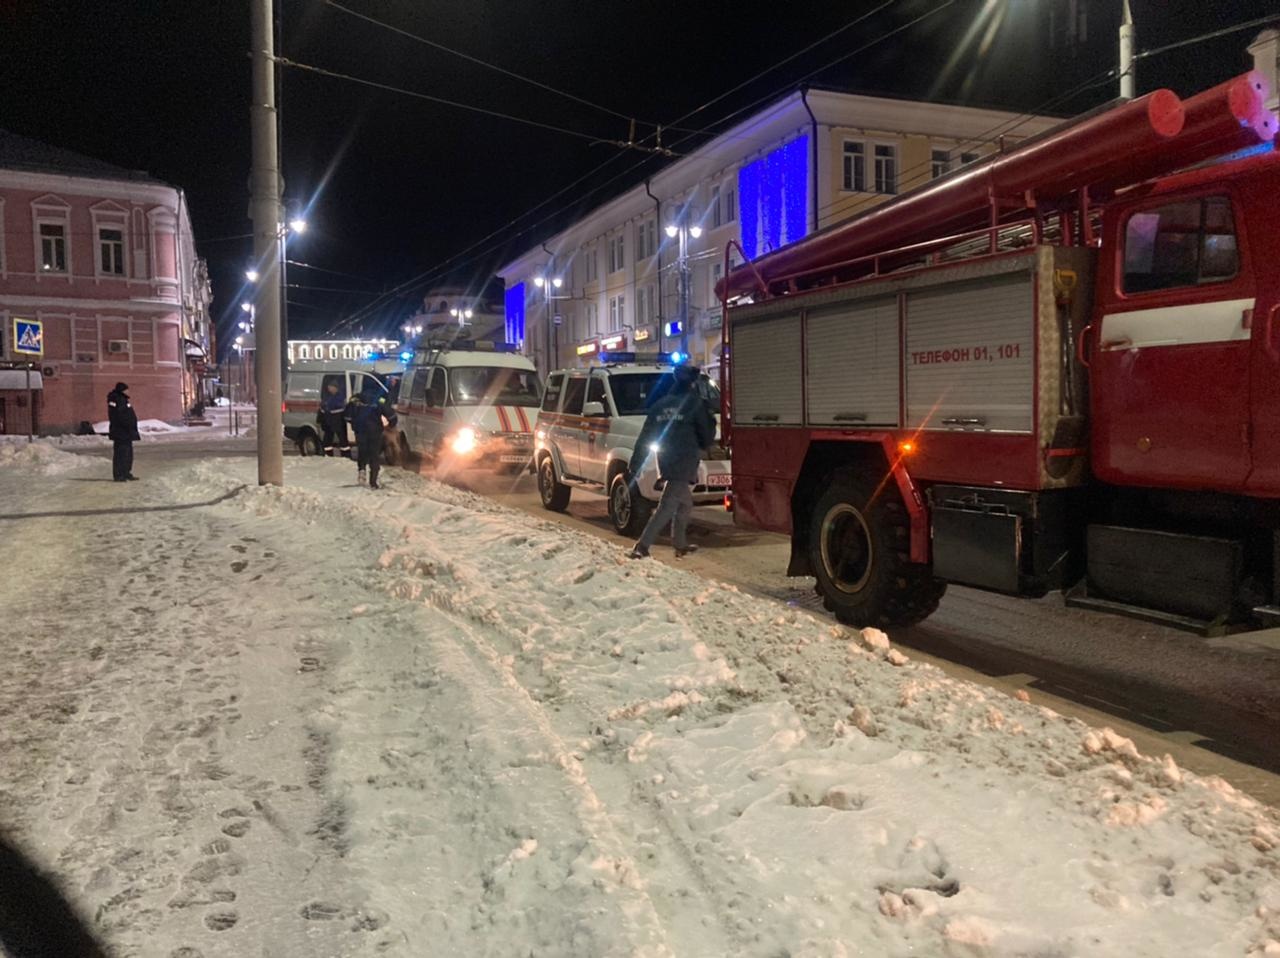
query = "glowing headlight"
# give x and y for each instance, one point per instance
(655, 448)
(463, 441)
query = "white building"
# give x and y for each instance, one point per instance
(812, 159)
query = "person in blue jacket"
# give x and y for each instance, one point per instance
(680, 427)
(369, 414)
(330, 417)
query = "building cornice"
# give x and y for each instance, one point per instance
(138, 192)
(76, 303)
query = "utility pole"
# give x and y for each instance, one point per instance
(1126, 52)
(264, 210)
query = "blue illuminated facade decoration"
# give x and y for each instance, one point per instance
(773, 196)
(515, 314)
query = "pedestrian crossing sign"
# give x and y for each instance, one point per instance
(28, 337)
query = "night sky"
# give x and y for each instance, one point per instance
(397, 185)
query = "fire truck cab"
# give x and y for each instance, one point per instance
(1082, 394)
(467, 404)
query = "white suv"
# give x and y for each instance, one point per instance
(587, 429)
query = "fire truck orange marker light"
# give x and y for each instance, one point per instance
(906, 447)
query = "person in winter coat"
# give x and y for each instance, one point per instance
(330, 417)
(679, 425)
(123, 432)
(369, 414)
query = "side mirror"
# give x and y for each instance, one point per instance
(593, 409)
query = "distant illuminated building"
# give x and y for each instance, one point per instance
(330, 350)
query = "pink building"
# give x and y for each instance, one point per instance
(105, 258)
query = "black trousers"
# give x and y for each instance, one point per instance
(369, 455)
(122, 459)
(335, 429)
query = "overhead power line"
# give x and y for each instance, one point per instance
(476, 60)
(439, 269)
(334, 74)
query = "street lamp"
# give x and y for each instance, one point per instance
(547, 284)
(683, 229)
(251, 275)
(298, 225)
(461, 315)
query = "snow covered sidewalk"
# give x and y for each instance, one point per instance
(323, 721)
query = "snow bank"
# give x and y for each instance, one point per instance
(43, 456)
(742, 777)
(155, 427)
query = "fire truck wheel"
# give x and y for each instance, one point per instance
(554, 494)
(309, 444)
(628, 510)
(858, 551)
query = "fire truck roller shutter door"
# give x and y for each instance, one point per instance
(854, 352)
(970, 355)
(767, 365)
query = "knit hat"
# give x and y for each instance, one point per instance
(122, 387)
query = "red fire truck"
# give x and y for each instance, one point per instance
(1056, 368)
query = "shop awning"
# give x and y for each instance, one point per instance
(17, 379)
(193, 349)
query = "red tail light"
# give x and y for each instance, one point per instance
(284, 406)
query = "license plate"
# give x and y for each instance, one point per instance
(722, 480)
(513, 459)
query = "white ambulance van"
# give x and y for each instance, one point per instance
(469, 404)
(308, 381)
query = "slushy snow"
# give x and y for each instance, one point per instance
(318, 720)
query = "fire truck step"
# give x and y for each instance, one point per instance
(1196, 578)
(1079, 598)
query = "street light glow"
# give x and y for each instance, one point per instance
(557, 282)
(538, 281)
(251, 275)
(673, 230)
(298, 225)
(247, 307)
(695, 231)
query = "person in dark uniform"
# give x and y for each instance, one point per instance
(123, 432)
(330, 418)
(369, 414)
(681, 427)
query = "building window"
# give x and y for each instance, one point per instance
(333, 352)
(967, 158)
(304, 352)
(646, 239)
(111, 251)
(855, 168)
(593, 269)
(940, 163)
(617, 312)
(646, 304)
(593, 320)
(617, 252)
(886, 169)
(714, 207)
(717, 273)
(53, 247)
(730, 204)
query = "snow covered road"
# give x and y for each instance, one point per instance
(322, 721)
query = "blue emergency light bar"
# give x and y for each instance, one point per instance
(652, 359)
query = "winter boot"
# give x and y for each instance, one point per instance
(639, 552)
(681, 553)
(360, 478)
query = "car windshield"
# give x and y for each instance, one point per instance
(634, 393)
(497, 385)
